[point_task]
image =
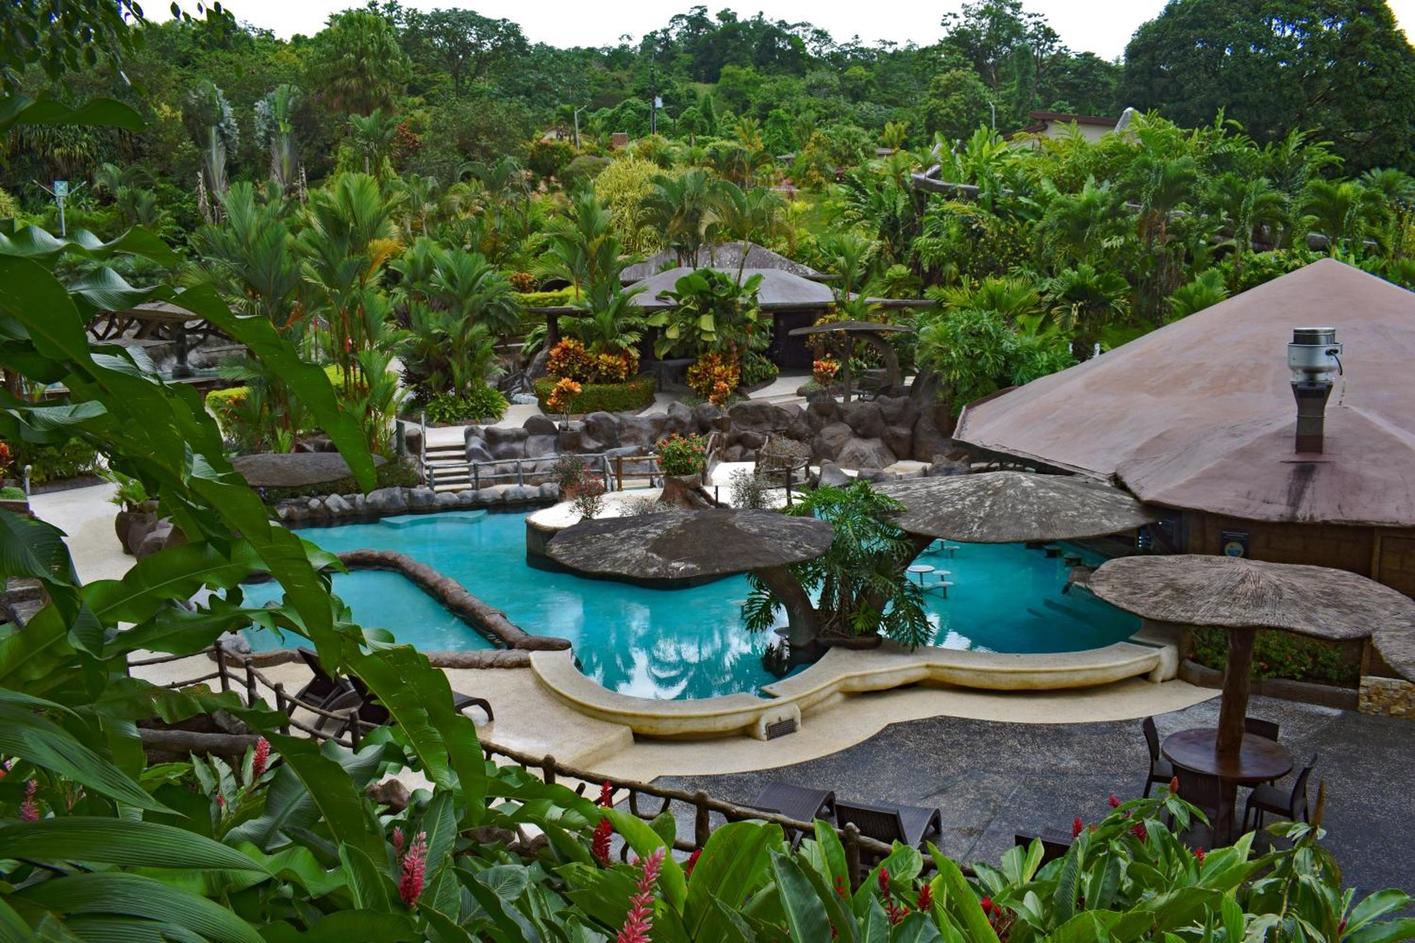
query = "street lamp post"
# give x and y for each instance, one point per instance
(576, 118)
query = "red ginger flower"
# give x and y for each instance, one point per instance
(1199, 856)
(599, 844)
(1077, 827)
(410, 887)
(1139, 831)
(884, 883)
(987, 905)
(606, 795)
(29, 809)
(1114, 801)
(1174, 785)
(638, 923)
(840, 889)
(692, 862)
(926, 897)
(261, 759)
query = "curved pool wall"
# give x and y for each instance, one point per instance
(690, 643)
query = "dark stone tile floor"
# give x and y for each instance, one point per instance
(992, 779)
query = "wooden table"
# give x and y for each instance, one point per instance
(1260, 760)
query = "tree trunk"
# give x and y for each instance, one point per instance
(1237, 680)
(804, 625)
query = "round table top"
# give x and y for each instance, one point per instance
(921, 568)
(1258, 761)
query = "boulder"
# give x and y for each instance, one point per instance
(477, 450)
(758, 416)
(524, 399)
(865, 418)
(641, 431)
(833, 475)
(899, 439)
(682, 418)
(536, 368)
(733, 453)
(422, 498)
(520, 494)
(315, 506)
(602, 427)
(447, 500)
(865, 453)
(830, 440)
(898, 410)
(550, 491)
(488, 496)
(473, 432)
(822, 411)
(709, 416)
(570, 440)
(749, 439)
(928, 440)
(337, 506)
(294, 469)
(944, 467)
(538, 446)
(467, 499)
(540, 425)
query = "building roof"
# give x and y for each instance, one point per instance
(1041, 119)
(725, 256)
(1200, 414)
(779, 289)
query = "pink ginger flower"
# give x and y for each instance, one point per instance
(410, 887)
(599, 845)
(398, 842)
(638, 922)
(29, 809)
(261, 759)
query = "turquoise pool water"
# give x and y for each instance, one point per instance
(683, 643)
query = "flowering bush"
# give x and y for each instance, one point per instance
(714, 377)
(570, 360)
(563, 396)
(682, 454)
(523, 282)
(7, 458)
(824, 369)
(589, 495)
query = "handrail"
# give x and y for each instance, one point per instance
(860, 850)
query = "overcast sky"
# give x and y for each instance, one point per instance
(1099, 26)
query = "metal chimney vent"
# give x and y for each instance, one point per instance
(1314, 357)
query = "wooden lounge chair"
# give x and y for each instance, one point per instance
(796, 802)
(372, 712)
(322, 691)
(892, 822)
(1289, 805)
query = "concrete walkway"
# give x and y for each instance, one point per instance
(993, 779)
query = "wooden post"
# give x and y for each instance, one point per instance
(852, 855)
(702, 826)
(282, 704)
(618, 473)
(250, 685)
(355, 730)
(1237, 681)
(547, 767)
(221, 668)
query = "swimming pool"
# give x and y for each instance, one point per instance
(682, 643)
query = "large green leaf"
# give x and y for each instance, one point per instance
(43, 743)
(20, 110)
(344, 810)
(645, 841)
(138, 896)
(128, 843)
(175, 573)
(733, 864)
(805, 914)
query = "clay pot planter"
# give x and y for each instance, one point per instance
(133, 524)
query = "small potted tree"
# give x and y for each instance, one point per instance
(137, 513)
(683, 459)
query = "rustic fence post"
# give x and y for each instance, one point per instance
(547, 767)
(852, 855)
(221, 668)
(702, 827)
(355, 731)
(618, 473)
(282, 704)
(250, 685)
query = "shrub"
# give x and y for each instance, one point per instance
(682, 454)
(12, 493)
(589, 496)
(757, 369)
(629, 396)
(714, 377)
(225, 405)
(74, 459)
(562, 397)
(545, 299)
(570, 360)
(481, 404)
(548, 159)
(582, 171)
(7, 459)
(523, 282)
(567, 472)
(749, 491)
(1283, 655)
(824, 369)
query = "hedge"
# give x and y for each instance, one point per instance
(630, 396)
(1283, 655)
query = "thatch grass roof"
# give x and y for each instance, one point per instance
(1010, 507)
(679, 544)
(851, 327)
(1233, 592)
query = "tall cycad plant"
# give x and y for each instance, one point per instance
(208, 119)
(348, 237)
(582, 248)
(685, 208)
(275, 129)
(1346, 213)
(1248, 207)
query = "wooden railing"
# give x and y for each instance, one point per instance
(644, 800)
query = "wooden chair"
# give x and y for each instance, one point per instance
(1270, 798)
(796, 802)
(323, 690)
(892, 822)
(1161, 770)
(372, 712)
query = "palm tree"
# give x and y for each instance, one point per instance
(1084, 300)
(612, 322)
(1078, 226)
(1247, 206)
(684, 209)
(208, 119)
(582, 248)
(372, 136)
(348, 236)
(1347, 213)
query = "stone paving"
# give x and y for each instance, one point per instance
(993, 779)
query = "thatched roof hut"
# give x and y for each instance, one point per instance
(1012, 507)
(728, 255)
(779, 291)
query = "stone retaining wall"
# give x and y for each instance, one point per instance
(1392, 696)
(387, 502)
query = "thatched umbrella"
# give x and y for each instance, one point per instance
(872, 333)
(687, 544)
(1242, 595)
(1012, 507)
